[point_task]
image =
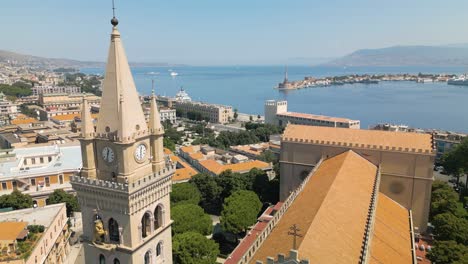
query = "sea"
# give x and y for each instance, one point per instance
(246, 88)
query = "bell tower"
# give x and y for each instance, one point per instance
(124, 186)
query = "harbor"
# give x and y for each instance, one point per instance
(310, 81)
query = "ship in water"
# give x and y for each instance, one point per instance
(460, 80)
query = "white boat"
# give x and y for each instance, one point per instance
(173, 74)
(460, 80)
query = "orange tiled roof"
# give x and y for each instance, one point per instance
(67, 117)
(197, 156)
(167, 151)
(359, 136)
(11, 230)
(22, 121)
(391, 241)
(317, 117)
(184, 174)
(217, 168)
(331, 212)
(188, 149)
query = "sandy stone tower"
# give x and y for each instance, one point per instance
(124, 186)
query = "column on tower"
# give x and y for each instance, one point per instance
(157, 134)
(87, 142)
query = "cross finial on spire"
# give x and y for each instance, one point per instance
(114, 20)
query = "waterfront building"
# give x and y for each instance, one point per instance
(406, 161)
(124, 185)
(52, 245)
(53, 89)
(336, 215)
(38, 171)
(213, 113)
(276, 113)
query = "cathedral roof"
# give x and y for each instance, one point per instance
(120, 111)
(332, 213)
(360, 138)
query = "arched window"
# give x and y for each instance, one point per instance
(147, 257)
(159, 249)
(102, 259)
(158, 217)
(114, 231)
(145, 225)
(116, 261)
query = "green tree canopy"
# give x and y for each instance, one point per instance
(455, 162)
(448, 252)
(230, 182)
(240, 211)
(16, 200)
(190, 217)
(194, 248)
(445, 200)
(209, 191)
(450, 227)
(185, 193)
(169, 144)
(60, 196)
(267, 191)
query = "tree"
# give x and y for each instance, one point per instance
(268, 156)
(185, 193)
(449, 227)
(456, 161)
(209, 191)
(60, 196)
(230, 182)
(16, 200)
(267, 191)
(250, 118)
(235, 114)
(190, 218)
(193, 248)
(445, 200)
(169, 144)
(240, 211)
(448, 252)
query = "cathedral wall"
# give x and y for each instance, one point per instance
(406, 176)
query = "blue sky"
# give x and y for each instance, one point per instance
(208, 32)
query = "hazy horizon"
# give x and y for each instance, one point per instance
(227, 33)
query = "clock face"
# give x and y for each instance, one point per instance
(140, 152)
(108, 154)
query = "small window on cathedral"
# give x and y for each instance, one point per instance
(107, 129)
(102, 259)
(116, 261)
(114, 231)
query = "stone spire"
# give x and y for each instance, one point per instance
(121, 112)
(87, 126)
(154, 125)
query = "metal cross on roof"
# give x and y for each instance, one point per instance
(295, 233)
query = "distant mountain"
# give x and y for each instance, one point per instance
(50, 63)
(450, 55)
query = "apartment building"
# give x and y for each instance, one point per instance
(214, 113)
(52, 89)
